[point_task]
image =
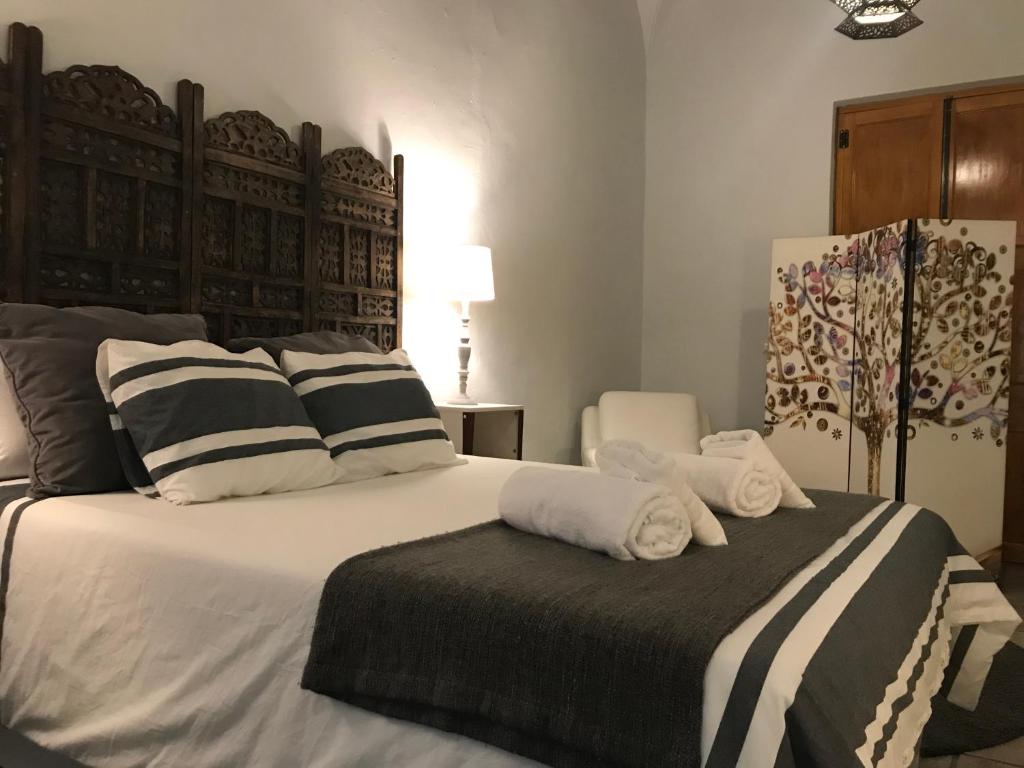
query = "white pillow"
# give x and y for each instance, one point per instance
(373, 410)
(209, 423)
(13, 438)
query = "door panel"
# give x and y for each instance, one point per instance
(987, 158)
(891, 169)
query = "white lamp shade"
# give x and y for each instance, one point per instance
(469, 276)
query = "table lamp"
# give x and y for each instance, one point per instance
(469, 278)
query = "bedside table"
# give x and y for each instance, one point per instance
(485, 429)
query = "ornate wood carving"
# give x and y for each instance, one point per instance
(378, 306)
(236, 293)
(250, 325)
(331, 252)
(359, 257)
(356, 166)
(255, 239)
(70, 274)
(254, 226)
(161, 222)
(149, 281)
(233, 181)
(115, 212)
(109, 196)
(116, 154)
(367, 331)
(286, 255)
(348, 207)
(335, 303)
(386, 262)
(217, 242)
(359, 248)
(254, 134)
(62, 212)
(112, 93)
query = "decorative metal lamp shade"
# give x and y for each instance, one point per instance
(875, 19)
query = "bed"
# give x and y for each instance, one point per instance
(140, 634)
(137, 633)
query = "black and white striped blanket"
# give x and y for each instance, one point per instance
(840, 666)
(575, 660)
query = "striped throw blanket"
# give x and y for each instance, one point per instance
(818, 637)
(840, 666)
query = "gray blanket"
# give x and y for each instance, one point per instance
(553, 652)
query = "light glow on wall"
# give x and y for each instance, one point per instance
(441, 202)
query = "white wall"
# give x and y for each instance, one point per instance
(740, 97)
(649, 10)
(522, 127)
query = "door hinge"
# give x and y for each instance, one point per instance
(844, 139)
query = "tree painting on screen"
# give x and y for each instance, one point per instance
(835, 339)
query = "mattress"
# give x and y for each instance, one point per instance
(138, 633)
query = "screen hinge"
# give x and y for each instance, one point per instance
(844, 139)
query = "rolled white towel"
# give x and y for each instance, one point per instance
(735, 486)
(634, 461)
(624, 519)
(748, 444)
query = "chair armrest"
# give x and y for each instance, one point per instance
(590, 436)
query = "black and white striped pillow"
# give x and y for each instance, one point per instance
(131, 463)
(373, 410)
(208, 423)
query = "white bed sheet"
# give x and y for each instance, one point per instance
(132, 623)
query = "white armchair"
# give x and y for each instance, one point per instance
(667, 421)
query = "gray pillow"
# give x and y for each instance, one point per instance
(317, 342)
(49, 355)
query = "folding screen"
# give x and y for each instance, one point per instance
(895, 381)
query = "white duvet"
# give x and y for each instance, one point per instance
(132, 623)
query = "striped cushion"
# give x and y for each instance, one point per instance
(208, 423)
(134, 470)
(373, 410)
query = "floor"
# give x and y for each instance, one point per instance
(1011, 754)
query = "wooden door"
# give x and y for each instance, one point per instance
(888, 163)
(986, 181)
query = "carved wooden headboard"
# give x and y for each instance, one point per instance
(111, 197)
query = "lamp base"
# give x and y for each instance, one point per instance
(464, 352)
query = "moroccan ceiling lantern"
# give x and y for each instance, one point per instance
(875, 19)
